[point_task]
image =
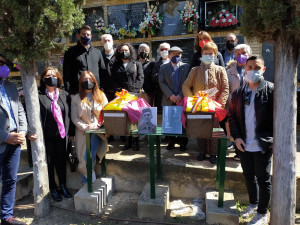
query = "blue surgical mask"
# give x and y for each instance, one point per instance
(254, 76)
(207, 59)
(175, 59)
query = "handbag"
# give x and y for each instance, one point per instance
(72, 157)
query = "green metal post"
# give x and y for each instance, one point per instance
(222, 171)
(89, 162)
(158, 159)
(152, 167)
(103, 167)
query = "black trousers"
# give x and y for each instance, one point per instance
(256, 169)
(179, 140)
(56, 159)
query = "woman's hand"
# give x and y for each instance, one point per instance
(93, 126)
(32, 137)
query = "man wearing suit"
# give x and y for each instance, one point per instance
(13, 127)
(171, 78)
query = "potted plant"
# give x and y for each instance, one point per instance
(189, 16)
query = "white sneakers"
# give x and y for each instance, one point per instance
(248, 211)
(259, 219)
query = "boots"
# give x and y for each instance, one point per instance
(136, 146)
(128, 143)
(64, 191)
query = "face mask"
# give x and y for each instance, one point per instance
(108, 45)
(241, 59)
(143, 55)
(4, 71)
(254, 76)
(88, 85)
(175, 59)
(85, 40)
(51, 81)
(164, 54)
(207, 59)
(125, 55)
(203, 42)
(230, 46)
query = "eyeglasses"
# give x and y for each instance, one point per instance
(2, 62)
(247, 97)
(164, 49)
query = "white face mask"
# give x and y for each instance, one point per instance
(207, 59)
(254, 76)
(164, 54)
(108, 45)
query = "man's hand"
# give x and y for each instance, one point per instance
(15, 138)
(178, 98)
(93, 126)
(173, 98)
(240, 144)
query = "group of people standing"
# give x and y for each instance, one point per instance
(92, 77)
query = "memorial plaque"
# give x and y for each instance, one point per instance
(187, 46)
(172, 24)
(91, 15)
(131, 14)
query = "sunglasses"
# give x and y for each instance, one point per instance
(2, 62)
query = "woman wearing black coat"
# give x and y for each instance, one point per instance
(127, 74)
(201, 39)
(57, 126)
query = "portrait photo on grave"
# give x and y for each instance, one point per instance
(148, 122)
(171, 123)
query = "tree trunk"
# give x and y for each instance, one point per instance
(40, 170)
(284, 165)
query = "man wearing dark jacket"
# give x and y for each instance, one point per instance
(251, 126)
(108, 54)
(81, 57)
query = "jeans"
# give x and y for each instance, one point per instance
(256, 169)
(95, 142)
(9, 164)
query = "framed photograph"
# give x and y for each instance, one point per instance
(171, 123)
(219, 14)
(148, 122)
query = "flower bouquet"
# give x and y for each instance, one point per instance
(100, 26)
(111, 29)
(152, 21)
(127, 32)
(223, 19)
(189, 16)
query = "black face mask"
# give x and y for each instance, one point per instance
(143, 55)
(51, 81)
(88, 85)
(125, 55)
(85, 40)
(230, 46)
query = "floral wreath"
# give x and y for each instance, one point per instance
(152, 20)
(223, 19)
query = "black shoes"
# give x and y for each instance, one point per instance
(182, 148)
(136, 146)
(11, 221)
(128, 143)
(213, 159)
(110, 139)
(170, 146)
(64, 191)
(55, 195)
(201, 157)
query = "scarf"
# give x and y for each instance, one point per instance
(56, 112)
